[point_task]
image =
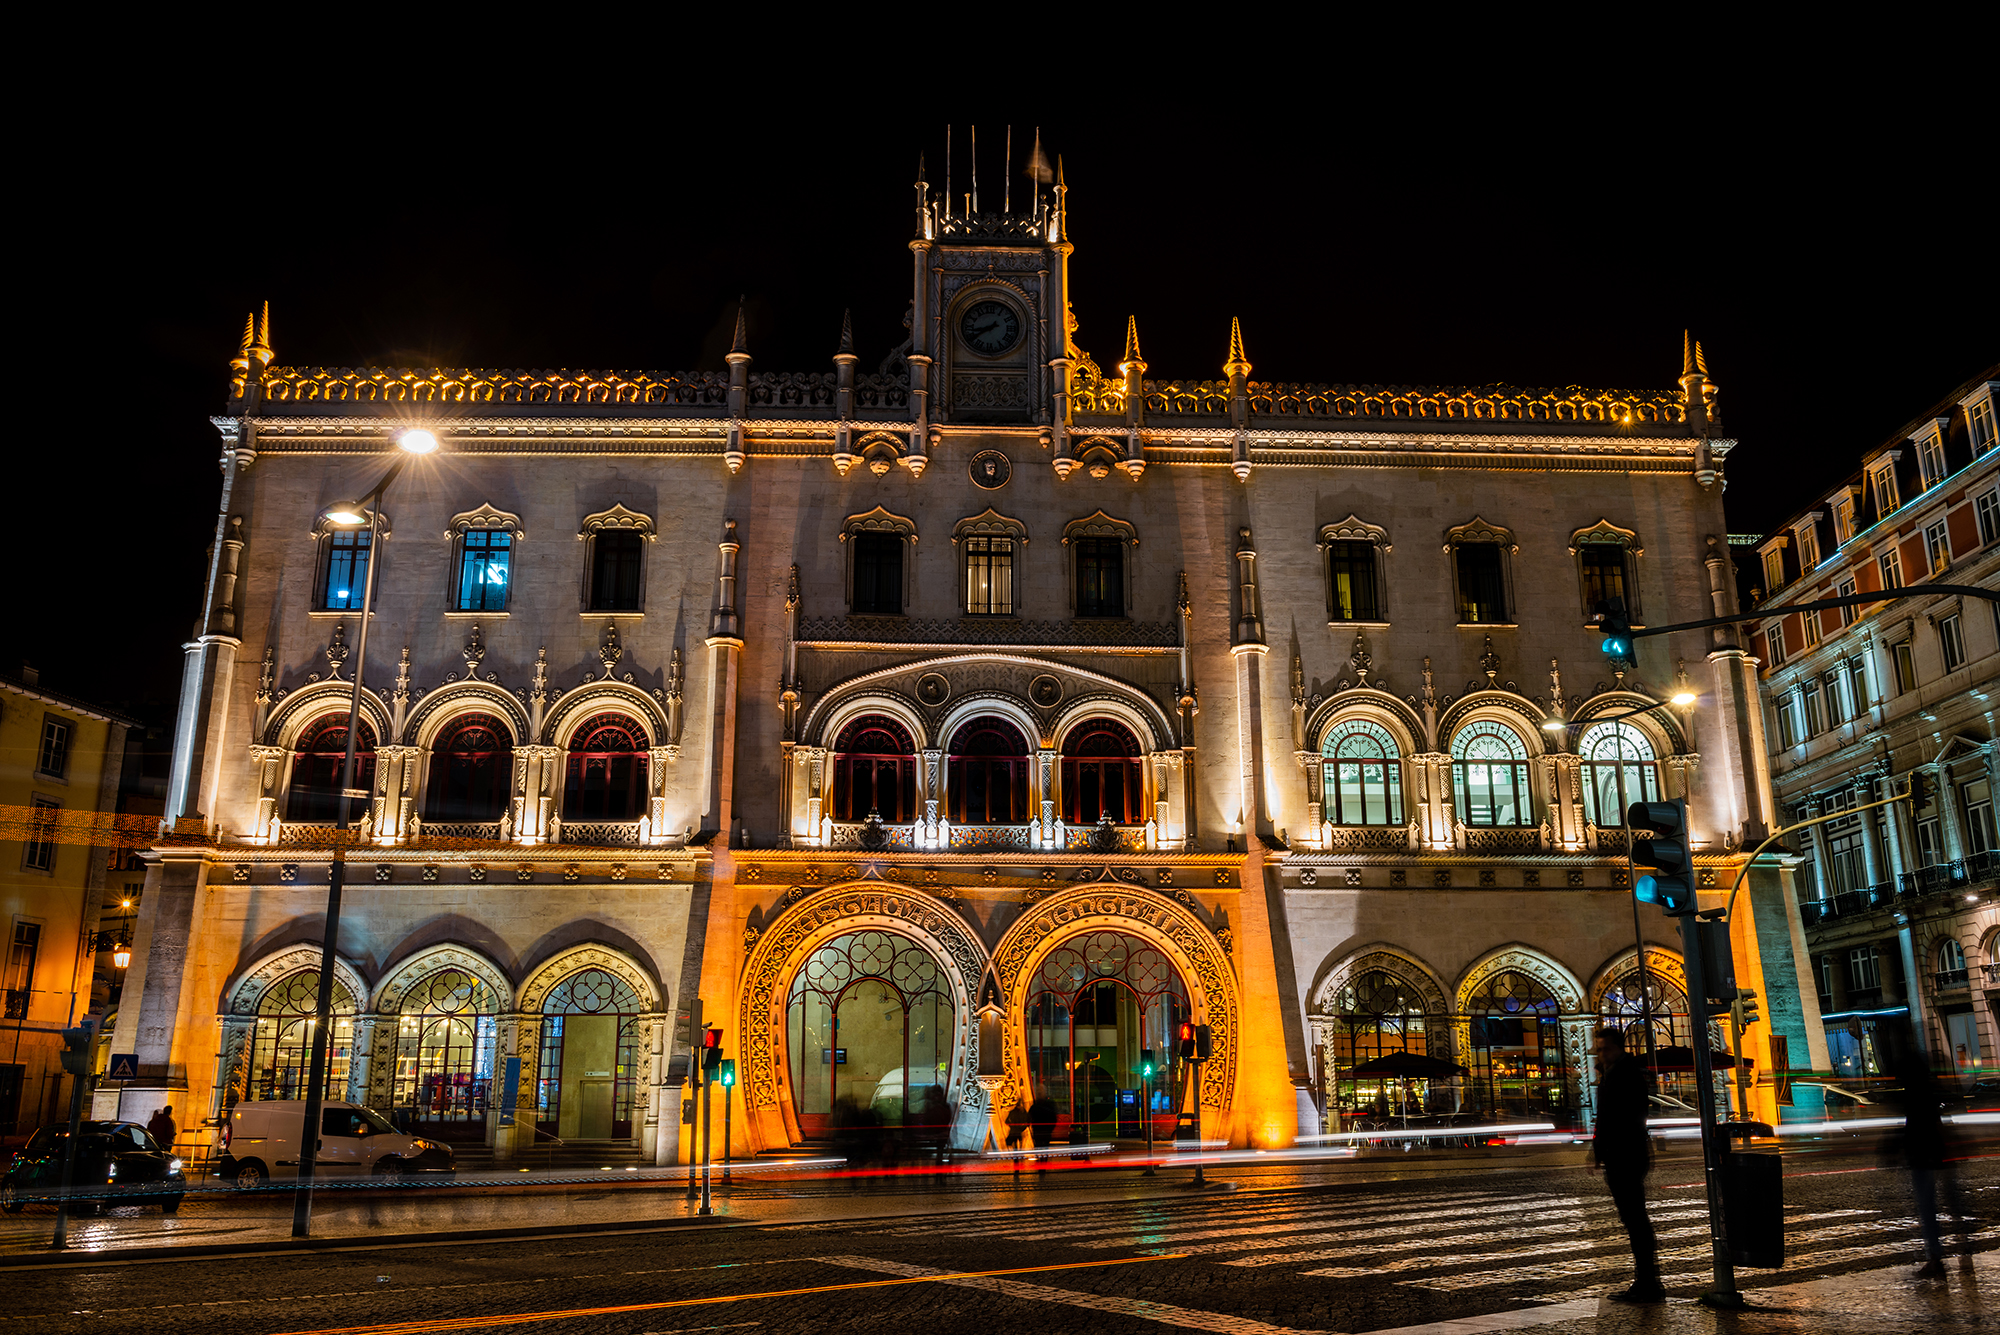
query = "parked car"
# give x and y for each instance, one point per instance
(260, 1141)
(119, 1163)
(1984, 1096)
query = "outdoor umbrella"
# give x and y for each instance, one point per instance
(1407, 1066)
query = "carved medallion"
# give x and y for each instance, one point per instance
(1045, 691)
(991, 469)
(932, 688)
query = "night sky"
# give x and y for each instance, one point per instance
(1835, 262)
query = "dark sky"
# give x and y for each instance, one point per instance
(1828, 251)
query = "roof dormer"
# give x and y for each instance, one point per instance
(1806, 527)
(1846, 506)
(1771, 559)
(1882, 480)
(1928, 440)
(1979, 418)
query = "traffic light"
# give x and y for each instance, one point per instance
(1146, 1063)
(1187, 1040)
(1743, 1010)
(711, 1048)
(726, 1072)
(1920, 792)
(1616, 625)
(1204, 1042)
(1671, 884)
(76, 1048)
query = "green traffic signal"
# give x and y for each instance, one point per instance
(726, 1071)
(1616, 626)
(1671, 884)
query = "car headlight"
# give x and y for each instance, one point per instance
(173, 1166)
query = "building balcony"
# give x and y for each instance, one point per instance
(883, 837)
(1949, 980)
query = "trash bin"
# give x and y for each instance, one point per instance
(1184, 1127)
(1753, 1208)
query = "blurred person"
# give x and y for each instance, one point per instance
(1925, 1149)
(1625, 1154)
(162, 1128)
(1042, 1129)
(1018, 1119)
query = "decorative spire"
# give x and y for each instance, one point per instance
(249, 334)
(1700, 360)
(846, 348)
(1687, 353)
(1238, 364)
(264, 330)
(1133, 357)
(740, 347)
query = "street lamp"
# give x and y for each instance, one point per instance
(412, 442)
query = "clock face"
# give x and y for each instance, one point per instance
(990, 327)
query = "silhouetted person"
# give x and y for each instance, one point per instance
(162, 1128)
(1042, 1129)
(936, 1115)
(1018, 1119)
(1926, 1150)
(1623, 1151)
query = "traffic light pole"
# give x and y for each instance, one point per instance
(1632, 881)
(1724, 1293)
(706, 1085)
(728, 1102)
(1200, 1182)
(61, 1239)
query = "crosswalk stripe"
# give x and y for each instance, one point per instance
(1225, 1214)
(1566, 1222)
(1090, 1220)
(1316, 1218)
(1429, 1262)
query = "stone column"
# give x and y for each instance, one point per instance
(150, 1007)
(1566, 816)
(395, 791)
(657, 758)
(1314, 766)
(930, 774)
(656, 1081)
(1822, 873)
(1950, 815)
(271, 762)
(1435, 807)
(1871, 834)
(1047, 773)
(538, 771)
(370, 1073)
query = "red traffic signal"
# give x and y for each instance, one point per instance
(1187, 1040)
(711, 1037)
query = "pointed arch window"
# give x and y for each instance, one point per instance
(483, 543)
(878, 571)
(615, 559)
(1363, 774)
(1481, 574)
(471, 772)
(343, 575)
(1354, 584)
(1489, 775)
(317, 761)
(988, 773)
(606, 776)
(1101, 774)
(1606, 748)
(874, 771)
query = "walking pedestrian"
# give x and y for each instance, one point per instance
(1042, 1129)
(1622, 1150)
(162, 1128)
(1017, 1128)
(1925, 1150)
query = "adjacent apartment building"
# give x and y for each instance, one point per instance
(1901, 903)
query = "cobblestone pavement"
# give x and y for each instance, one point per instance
(1482, 1248)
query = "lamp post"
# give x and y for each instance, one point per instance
(1557, 724)
(412, 443)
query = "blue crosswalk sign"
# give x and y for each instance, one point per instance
(124, 1066)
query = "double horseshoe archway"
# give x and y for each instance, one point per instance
(833, 917)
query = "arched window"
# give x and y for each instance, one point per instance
(1378, 1015)
(444, 1053)
(607, 770)
(1605, 747)
(1951, 956)
(1667, 1006)
(869, 1024)
(1363, 774)
(471, 770)
(989, 774)
(316, 767)
(281, 1047)
(1519, 1065)
(1489, 775)
(590, 1057)
(874, 770)
(1101, 774)
(1099, 1001)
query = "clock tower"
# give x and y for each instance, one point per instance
(989, 346)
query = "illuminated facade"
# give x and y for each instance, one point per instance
(1900, 905)
(851, 701)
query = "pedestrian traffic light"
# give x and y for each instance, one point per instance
(1671, 884)
(76, 1048)
(1743, 1010)
(1616, 625)
(1187, 1040)
(1146, 1063)
(711, 1048)
(726, 1072)
(1204, 1042)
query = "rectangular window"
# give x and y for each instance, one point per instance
(1843, 520)
(1979, 421)
(1988, 509)
(54, 758)
(483, 571)
(1847, 867)
(1815, 715)
(40, 852)
(1906, 667)
(614, 570)
(1350, 571)
(1100, 577)
(1826, 979)
(1979, 817)
(878, 574)
(1809, 623)
(1886, 502)
(1952, 641)
(1808, 546)
(1930, 459)
(1937, 547)
(1857, 683)
(1788, 724)
(1775, 638)
(346, 570)
(1864, 969)
(1930, 842)
(1774, 570)
(989, 576)
(1845, 589)
(1892, 570)
(1603, 575)
(1482, 589)
(21, 958)
(1835, 692)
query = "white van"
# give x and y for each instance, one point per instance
(260, 1141)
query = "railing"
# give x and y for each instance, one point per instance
(1992, 972)
(1503, 839)
(603, 833)
(458, 829)
(872, 835)
(1948, 978)
(17, 1003)
(1105, 838)
(988, 630)
(975, 838)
